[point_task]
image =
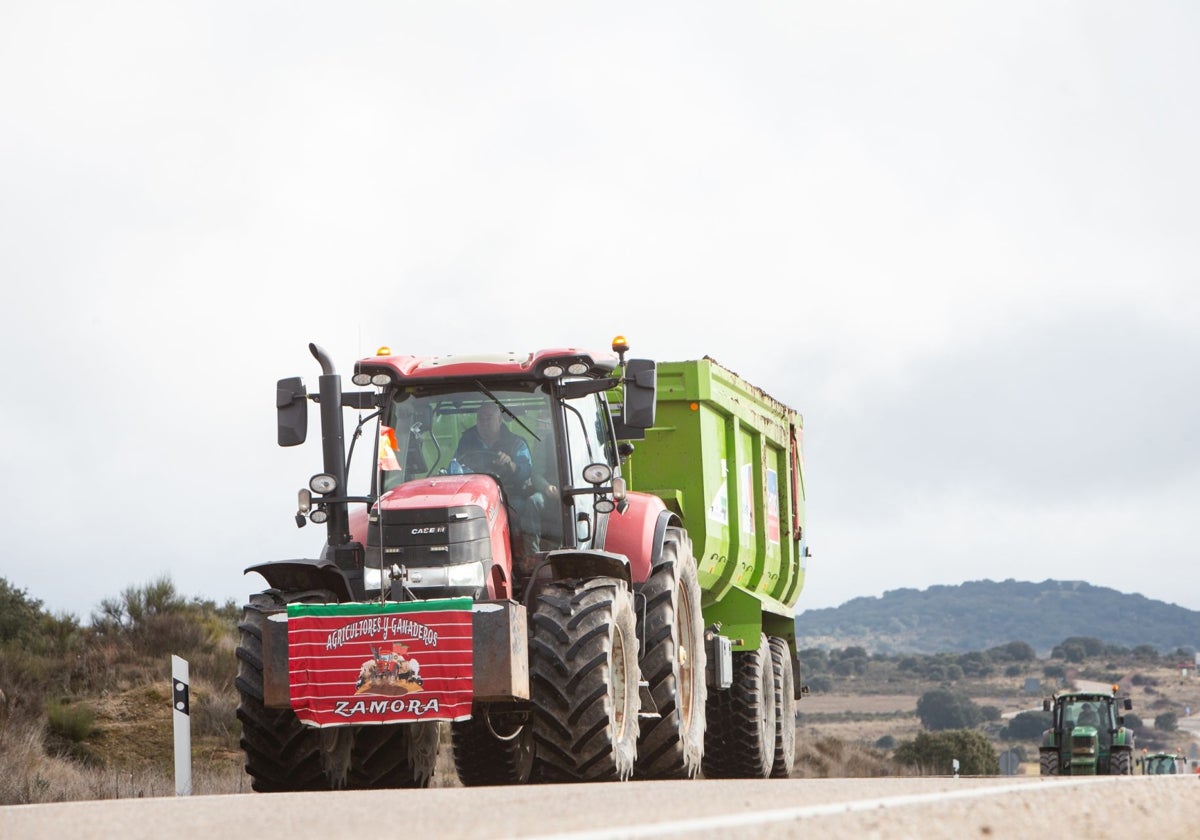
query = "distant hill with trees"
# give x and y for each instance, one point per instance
(982, 614)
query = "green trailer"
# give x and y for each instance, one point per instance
(727, 459)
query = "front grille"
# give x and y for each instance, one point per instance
(429, 537)
(1083, 745)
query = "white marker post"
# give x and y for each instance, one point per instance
(183, 726)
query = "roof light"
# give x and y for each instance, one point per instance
(361, 379)
(552, 371)
(578, 368)
(384, 351)
(620, 346)
(381, 379)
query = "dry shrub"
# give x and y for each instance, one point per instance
(33, 776)
(827, 757)
(214, 711)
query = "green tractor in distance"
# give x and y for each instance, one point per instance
(1088, 737)
(1163, 763)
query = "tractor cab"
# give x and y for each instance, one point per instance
(1162, 763)
(483, 465)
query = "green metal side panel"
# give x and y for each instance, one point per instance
(726, 457)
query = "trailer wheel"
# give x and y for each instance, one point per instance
(493, 748)
(282, 754)
(1048, 760)
(583, 678)
(785, 709)
(1120, 763)
(395, 755)
(740, 740)
(671, 746)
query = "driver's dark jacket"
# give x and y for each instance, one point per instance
(512, 445)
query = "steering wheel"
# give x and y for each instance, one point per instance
(481, 461)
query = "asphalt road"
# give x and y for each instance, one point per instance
(1161, 807)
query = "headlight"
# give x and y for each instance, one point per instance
(597, 473)
(322, 483)
(319, 516)
(466, 574)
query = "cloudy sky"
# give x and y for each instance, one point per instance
(959, 237)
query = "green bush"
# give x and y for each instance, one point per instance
(1166, 722)
(71, 721)
(819, 684)
(935, 752)
(945, 709)
(1027, 726)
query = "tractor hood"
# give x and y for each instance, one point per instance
(444, 536)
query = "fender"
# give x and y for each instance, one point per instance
(304, 575)
(638, 533)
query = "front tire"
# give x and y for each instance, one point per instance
(1048, 762)
(740, 741)
(282, 754)
(1120, 763)
(493, 748)
(397, 755)
(785, 709)
(583, 676)
(671, 746)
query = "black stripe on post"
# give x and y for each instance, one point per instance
(180, 696)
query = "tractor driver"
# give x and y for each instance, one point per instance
(1088, 716)
(491, 447)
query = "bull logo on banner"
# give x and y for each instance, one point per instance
(389, 673)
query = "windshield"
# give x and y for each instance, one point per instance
(504, 431)
(1086, 713)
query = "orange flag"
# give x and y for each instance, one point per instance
(387, 449)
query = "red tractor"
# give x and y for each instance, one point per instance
(556, 616)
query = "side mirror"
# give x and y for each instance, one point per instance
(1046, 705)
(641, 387)
(291, 408)
(1128, 703)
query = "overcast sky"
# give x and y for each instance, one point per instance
(960, 238)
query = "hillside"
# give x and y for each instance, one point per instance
(983, 614)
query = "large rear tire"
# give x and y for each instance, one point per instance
(1048, 762)
(282, 754)
(740, 740)
(583, 676)
(671, 746)
(1120, 763)
(785, 709)
(493, 748)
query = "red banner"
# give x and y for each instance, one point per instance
(380, 663)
